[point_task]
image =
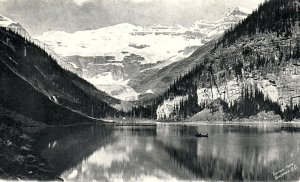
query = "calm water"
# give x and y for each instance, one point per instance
(172, 153)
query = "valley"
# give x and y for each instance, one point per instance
(128, 102)
(122, 59)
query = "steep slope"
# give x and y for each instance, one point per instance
(12, 25)
(34, 85)
(126, 55)
(252, 68)
(36, 92)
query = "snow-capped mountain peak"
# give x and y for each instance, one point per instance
(126, 26)
(237, 13)
(12, 25)
(5, 22)
(242, 10)
(128, 52)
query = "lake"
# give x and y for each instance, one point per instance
(172, 152)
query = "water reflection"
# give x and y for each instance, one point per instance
(65, 147)
(171, 153)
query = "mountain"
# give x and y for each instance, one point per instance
(250, 72)
(214, 29)
(120, 58)
(14, 26)
(34, 86)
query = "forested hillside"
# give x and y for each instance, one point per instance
(34, 85)
(254, 67)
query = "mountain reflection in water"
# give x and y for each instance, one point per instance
(171, 153)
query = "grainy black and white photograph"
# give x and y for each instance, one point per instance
(149, 90)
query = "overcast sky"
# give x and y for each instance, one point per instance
(38, 16)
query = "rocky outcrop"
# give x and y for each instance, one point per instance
(228, 91)
(166, 109)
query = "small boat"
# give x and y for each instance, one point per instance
(200, 135)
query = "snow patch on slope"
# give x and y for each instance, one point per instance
(149, 92)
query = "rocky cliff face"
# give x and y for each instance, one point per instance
(278, 82)
(166, 110)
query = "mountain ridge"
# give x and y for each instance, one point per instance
(125, 53)
(14, 26)
(46, 88)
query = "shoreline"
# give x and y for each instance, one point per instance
(148, 122)
(19, 160)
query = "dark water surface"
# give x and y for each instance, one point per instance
(172, 153)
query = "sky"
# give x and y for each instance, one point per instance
(38, 16)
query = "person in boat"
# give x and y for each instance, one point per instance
(200, 135)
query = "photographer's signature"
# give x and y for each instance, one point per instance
(284, 171)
